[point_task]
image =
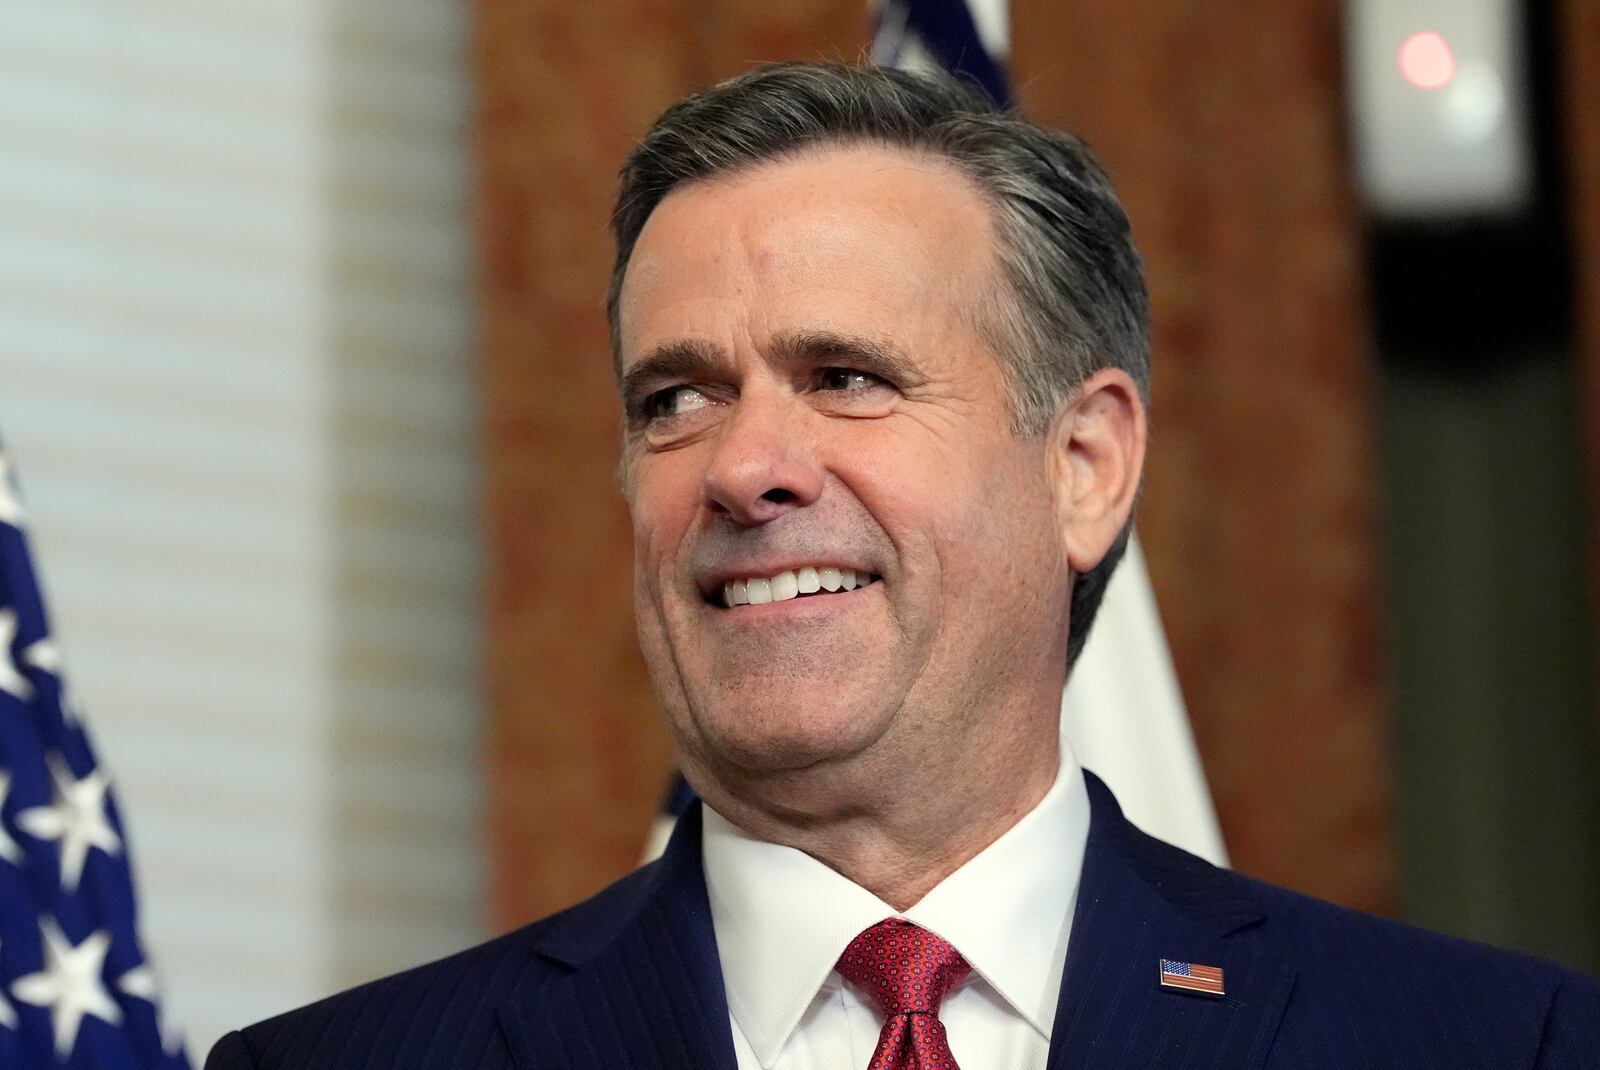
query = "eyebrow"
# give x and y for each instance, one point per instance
(693, 359)
(688, 359)
(857, 351)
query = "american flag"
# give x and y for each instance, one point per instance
(76, 989)
(1191, 977)
(942, 33)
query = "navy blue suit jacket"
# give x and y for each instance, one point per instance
(631, 980)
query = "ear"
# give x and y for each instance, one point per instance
(1097, 457)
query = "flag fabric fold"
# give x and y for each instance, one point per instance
(76, 988)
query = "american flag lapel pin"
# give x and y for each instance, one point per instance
(1191, 977)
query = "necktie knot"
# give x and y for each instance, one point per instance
(904, 967)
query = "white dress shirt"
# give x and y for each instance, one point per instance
(782, 920)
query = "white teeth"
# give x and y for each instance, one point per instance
(785, 587)
(758, 591)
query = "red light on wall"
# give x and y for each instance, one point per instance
(1426, 60)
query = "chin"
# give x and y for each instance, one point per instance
(774, 733)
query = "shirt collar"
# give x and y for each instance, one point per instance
(782, 918)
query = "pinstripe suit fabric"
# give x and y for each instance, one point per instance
(630, 980)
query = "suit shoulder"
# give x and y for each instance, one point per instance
(1382, 984)
(1335, 935)
(1382, 972)
(391, 1020)
(1327, 936)
(440, 1014)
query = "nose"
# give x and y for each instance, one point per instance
(761, 467)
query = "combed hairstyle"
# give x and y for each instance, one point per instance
(1071, 296)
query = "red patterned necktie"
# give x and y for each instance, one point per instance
(907, 970)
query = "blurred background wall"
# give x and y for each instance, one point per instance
(303, 359)
(235, 375)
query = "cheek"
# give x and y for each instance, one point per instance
(979, 520)
(663, 500)
(936, 484)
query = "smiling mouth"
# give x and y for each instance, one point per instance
(796, 583)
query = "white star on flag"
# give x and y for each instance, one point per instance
(78, 819)
(69, 984)
(142, 982)
(8, 1013)
(10, 505)
(10, 679)
(44, 655)
(9, 850)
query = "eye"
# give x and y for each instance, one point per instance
(847, 380)
(674, 401)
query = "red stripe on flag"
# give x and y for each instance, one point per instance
(1199, 979)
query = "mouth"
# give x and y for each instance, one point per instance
(808, 582)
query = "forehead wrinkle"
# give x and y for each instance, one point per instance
(866, 225)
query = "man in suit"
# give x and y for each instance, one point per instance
(882, 351)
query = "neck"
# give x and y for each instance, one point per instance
(896, 828)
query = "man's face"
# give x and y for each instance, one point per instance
(807, 389)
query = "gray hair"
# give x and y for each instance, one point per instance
(1073, 300)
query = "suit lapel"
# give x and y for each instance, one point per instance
(639, 982)
(1139, 901)
(640, 985)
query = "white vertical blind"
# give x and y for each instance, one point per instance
(234, 326)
